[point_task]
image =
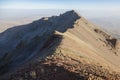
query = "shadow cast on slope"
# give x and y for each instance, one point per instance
(38, 39)
(10, 38)
(10, 65)
(41, 71)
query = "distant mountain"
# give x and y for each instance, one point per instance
(65, 47)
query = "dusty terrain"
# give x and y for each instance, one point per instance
(64, 47)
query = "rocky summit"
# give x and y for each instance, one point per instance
(64, 47)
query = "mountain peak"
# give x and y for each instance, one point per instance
(74, 12)
(71, 13)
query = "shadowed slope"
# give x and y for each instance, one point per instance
(12, 37)
(22, 43)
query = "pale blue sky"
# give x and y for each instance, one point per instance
(61, 4)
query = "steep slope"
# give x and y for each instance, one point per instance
(11, 37)
(20, 44)
(94, 43)
(63, 45)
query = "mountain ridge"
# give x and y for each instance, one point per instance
(64, 38)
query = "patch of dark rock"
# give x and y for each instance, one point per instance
(112, 42)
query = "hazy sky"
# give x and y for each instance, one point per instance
(61, 4)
